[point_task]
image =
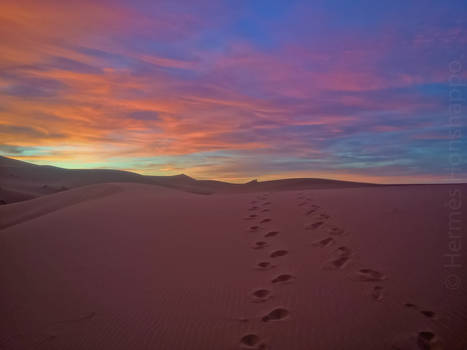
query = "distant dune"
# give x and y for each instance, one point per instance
(21, 180)
(103, 259)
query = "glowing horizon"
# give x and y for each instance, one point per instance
(235, 91)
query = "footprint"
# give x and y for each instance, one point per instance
(271, 234)
(343, 257)
(266, 203)
(278, 253)
(265, 220)
(324, 242)
(253, 208)
(250, 341)
(250, 217)
(344, 251)
(411, 306)
(377, 293)
(264, 265)
(337, 263)
(427, 313)
(324, 216)
(253, 228)
(261, 295)
(265, 210)
(260, 245)
(276, 315)
(424, 340)
(427, 340)
(282, 278)
(302, 204)
(336, 231)
(311, 211)
(368, 275)
(313, 226)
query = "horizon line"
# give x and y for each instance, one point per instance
(251, 180)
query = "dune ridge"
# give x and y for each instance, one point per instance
(23, 211)
(21, 181)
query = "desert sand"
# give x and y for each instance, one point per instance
(113, 260)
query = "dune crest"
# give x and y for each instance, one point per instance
(22, 181)
(23, 211)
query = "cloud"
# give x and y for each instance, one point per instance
(11, 150)
(144, 115)
(218, 92)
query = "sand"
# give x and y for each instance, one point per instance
(141, 266)
(20, 181)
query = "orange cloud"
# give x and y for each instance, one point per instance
(89, 81)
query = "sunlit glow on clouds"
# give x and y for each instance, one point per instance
(232, 90)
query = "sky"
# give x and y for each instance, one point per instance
(238, 90)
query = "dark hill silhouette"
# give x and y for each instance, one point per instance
(21, 180)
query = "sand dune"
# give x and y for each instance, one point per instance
(21, 181)
(19, 212)
(138, 266)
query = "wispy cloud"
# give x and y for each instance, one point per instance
(223, 92)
